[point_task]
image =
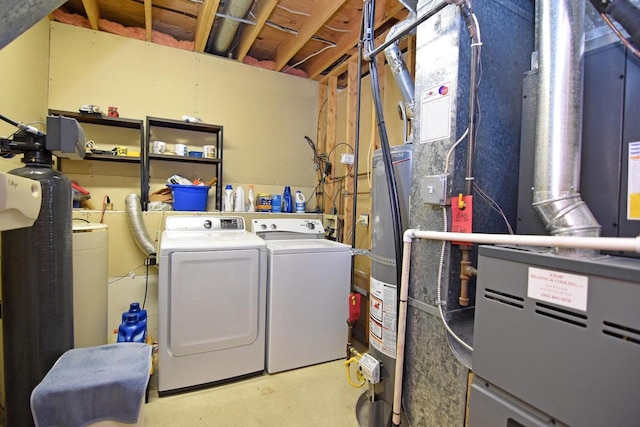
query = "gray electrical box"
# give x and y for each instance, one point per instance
(433, 189)
(556, 340)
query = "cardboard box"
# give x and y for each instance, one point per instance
(162, 195)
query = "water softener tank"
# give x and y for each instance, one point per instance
(37, 292)
(383, 284)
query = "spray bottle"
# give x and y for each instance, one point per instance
(251, 207)
(239, 204)
(228, 198)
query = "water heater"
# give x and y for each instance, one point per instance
(383, 303)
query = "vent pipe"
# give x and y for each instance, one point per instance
(560, 35)
(396, 61)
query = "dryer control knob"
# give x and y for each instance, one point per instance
(207, 224)
(263, 226)
(273, 226)
(311, 225)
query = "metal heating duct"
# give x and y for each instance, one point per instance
(136, 225)
(560, 35)
(396, 61)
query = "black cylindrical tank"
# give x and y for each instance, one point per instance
(37, 292)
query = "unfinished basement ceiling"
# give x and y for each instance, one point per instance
(309, 38)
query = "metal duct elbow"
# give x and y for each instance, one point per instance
(398, 65)
(136, 225)
(560, 34)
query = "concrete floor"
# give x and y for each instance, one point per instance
(315, 396)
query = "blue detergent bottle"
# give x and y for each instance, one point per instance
(131, 330)
(287, 201)
(134, 324)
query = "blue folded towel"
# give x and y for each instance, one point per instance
(87, 385)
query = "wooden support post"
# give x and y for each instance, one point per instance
(321, 142)
(332, 116)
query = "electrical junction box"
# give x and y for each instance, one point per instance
(433, 189)
(370, 368)
(347, 159)
(330, 223)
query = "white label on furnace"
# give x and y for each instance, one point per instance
(382, 317)
(435, 113)
(633, 180)
(568, 290)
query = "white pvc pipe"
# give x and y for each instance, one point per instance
(630, 244)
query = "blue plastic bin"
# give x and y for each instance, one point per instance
(189, 197)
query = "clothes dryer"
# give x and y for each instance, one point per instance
(308, 283)
(211, 302)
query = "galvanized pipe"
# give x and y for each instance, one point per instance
(369, 56)
(560, 36)
(398, 65)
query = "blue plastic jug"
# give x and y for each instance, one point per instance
(134, 324)
(131, 330)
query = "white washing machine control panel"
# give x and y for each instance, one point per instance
(204, 223)
(291, 225)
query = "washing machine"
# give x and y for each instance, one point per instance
(211, 302)
(308, 283)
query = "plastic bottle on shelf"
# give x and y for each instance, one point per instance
(300, 200)
(252, 206)
(239, 203)
(287, 202)
(228, 198)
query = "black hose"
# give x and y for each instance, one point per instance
(369, 11)
(355, 154)
(628, 16)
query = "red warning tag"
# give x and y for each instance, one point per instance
(461, 216)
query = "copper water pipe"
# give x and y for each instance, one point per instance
(467, 271)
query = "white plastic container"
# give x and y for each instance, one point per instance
(239, 203)
(251, 207)
(228, 198)
(180, 149)
(300, 202)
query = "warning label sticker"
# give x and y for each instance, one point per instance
(383, 317)
(435, 113)
(633, 189)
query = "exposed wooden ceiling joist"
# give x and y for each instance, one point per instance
(250, 32)
(206, 16)
(92, 9)
(314, 24)
(148, 21)
(320, 13)
(321, 62)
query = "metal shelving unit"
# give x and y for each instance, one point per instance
(195, 136)
(115, 122)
